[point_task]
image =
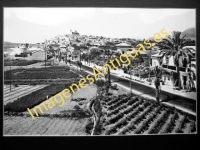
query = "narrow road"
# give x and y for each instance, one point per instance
(170, 98)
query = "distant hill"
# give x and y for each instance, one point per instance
(190, 33)
(8, 45)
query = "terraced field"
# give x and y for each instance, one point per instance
(122, 115)
(60, 72)
(20, 91)
(136, 115)
(51, 122)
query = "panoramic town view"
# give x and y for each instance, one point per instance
(99, 71)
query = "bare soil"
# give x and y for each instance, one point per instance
(52, 122)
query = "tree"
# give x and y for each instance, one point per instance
(26, 45)
(84, 57)
(96, 104)
(69, 61)
(101, 83)
(138, 60)
(174, 46)
(95, 53)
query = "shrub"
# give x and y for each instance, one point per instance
(110, 130)
(192, 127)
(89, 126)
(16, 85)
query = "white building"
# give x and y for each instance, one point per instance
(168, 65)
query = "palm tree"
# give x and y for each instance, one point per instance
(174, 46)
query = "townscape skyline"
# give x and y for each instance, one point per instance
(34, 25)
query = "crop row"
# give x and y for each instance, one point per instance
(34, 98)
(119, 115)
(170, 126)
(20, 62)
(146, 122)
(113, 103)
(39, 73)
(139, 115)
(124, 103)
(122, 120)
(182, 124)
(150, 118)
(132, 126)
(159, 123)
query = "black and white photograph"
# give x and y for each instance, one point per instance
(99, 71)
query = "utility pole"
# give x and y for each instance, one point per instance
(66, 56)
(109, 56)
(30, 75)
(10, 75)
(130, 81)
(80, 55)
(89, 58)
(45, 53)
(139, 71)
(149, 66)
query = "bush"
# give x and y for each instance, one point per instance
(15, 85)
(79, 63)
(76, 107)
(89, 126)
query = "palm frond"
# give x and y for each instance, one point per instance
(169, 41)
(187, 57)
(188, 51)
(183, 37)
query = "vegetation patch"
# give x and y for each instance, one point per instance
(34, 98)
(19, 62)
(41, 73)
(127, 115)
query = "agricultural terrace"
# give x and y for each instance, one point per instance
(18, 62)
(126, 115)
(122, 114)
(58, 72)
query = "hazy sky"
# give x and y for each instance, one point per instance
(34, 25)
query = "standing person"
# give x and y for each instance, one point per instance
(157, 73)
(96, 109)
(189, 88)
(192, 80)
(157, 84)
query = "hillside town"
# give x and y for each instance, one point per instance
(96, 50)
(101, 85)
